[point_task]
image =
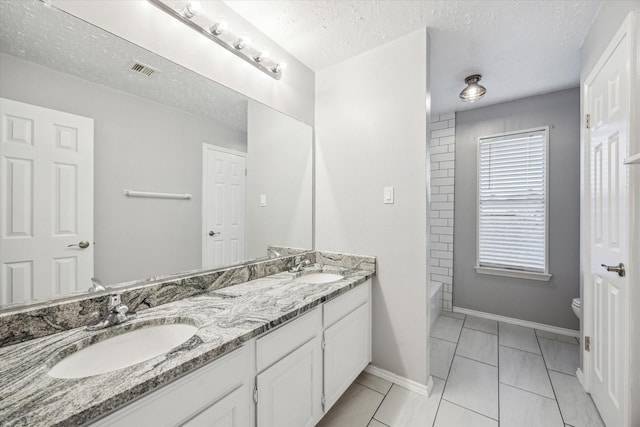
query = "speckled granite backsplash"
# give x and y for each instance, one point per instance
(23, 324)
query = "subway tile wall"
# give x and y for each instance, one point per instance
(443, 131)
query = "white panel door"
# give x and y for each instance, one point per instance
(46, 202)
(289, 392)
(608, 105)
(223, 207)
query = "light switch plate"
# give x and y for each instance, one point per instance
(388, 195)
(263, 200)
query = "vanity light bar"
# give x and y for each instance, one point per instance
(239, 46)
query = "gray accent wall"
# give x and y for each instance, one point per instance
(543, 302)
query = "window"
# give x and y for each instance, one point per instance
(512, 204)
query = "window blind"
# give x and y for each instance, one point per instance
(512, 201)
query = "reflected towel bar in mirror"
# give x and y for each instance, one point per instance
(153, 195)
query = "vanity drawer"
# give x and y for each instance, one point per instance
(344, 304)
(178, 401)
(277, 344)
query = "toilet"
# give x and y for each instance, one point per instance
(576, 306)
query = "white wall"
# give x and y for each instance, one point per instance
(442, 146)
(604, 27)
(145, 25)
(371, 118)
(280, 166)
(140, 145)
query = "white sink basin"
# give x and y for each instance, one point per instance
(123, 350)
(319, 278)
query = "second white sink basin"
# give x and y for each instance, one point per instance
(123, 350)
(319, 278)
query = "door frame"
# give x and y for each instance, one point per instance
(205, 148)
(626, 30)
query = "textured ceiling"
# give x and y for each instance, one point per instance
(52, 38)
(520, 47)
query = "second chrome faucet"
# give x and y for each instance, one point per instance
(117, 313)
(299, 264)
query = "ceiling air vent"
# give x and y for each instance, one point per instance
(141, 68)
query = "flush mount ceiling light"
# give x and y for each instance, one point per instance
(473, 91)
(192, 16)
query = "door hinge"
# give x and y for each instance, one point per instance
(324, 402)
(323, 344)
(255, 394)
(587, 343)
(587, 121)
(245, 172)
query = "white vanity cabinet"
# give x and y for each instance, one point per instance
(289, 380)
(347, 341)
(289, 377)
(218, 394)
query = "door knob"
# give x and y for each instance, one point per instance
(213, 233)
(82, 245)
(616, 268)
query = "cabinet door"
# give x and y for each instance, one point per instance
(290, 391)
(230, 411)
(346, 352)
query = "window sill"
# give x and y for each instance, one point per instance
(543, 277)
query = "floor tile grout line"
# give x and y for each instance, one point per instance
(526, 351)
(560, 372)
(550, 382)
(558, 341)
(552, 339)
(479, 330)
(470, 410)
(379, 404)
(479, 361)
(444, 386)
(528, 391)
(373, 389)
(442, 339)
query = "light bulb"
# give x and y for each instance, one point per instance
(192, 9)
(279, 67)
(261, 56)
(219, 28)
(242, 43)
(473, 91)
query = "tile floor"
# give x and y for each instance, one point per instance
(485, 373)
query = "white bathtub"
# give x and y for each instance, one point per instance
(436, 302)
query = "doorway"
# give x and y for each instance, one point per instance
(46, 177)
(608, 224)
(223, 206)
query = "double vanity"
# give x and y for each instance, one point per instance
(277, 349)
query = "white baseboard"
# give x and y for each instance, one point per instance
(422, 389)
(528, 324)
(580, 377)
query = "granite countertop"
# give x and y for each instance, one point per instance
(225, 318)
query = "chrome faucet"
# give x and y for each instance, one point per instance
(300, 263)
(117, 313)
(273, 253)
(96, 285)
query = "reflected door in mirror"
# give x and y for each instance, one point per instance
(223, 197)
(46, 176)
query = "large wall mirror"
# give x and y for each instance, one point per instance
(121, 165)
